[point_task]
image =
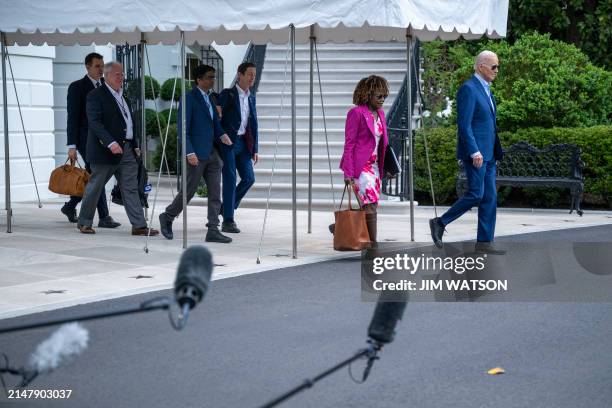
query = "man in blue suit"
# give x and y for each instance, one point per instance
(478, 146)
(239, 119)
(203, 132)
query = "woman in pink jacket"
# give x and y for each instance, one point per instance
(365, 144)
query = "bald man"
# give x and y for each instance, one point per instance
(478, 146)
(112, 150)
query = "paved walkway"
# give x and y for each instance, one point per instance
(46, 264)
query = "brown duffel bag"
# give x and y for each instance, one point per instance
(351, 230)
(69, 180)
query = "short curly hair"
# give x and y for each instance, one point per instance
(369, 86)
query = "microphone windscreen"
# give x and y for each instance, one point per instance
(384, 320)
(60, 348)
(193, 274)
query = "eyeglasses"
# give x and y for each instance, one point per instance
(380, 96)
(494, 67)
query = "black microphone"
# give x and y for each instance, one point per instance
(385, 318)
(59, 349)
(192, 278)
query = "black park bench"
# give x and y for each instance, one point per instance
(527, 166)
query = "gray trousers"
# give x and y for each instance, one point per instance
(210, 169)
(126, 173)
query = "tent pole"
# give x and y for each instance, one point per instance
(143, 126)
(142, 99)
(183, 141)
(310, 113)
(409, 127)
(7, 164)
(293, 145)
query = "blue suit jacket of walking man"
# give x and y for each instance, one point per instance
(479, 147)
(240, 155)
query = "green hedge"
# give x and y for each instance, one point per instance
(170, 151)
(152, 127)
(132, 89)
(168, 85)
(595, 142)
(166, 112)
(541, 82)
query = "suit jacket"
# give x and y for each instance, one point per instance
(106, 125)
(229, 100)
(201, 129)
(476, 127)
(76, 127)
(360, 141)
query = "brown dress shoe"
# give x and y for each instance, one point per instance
(85, 229)
(144, 231)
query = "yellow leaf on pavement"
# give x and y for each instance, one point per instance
(496, 371)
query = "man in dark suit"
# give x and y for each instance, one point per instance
(239, 119)
(112, 149)
(202, 131)
(478, 146)
(76, 130)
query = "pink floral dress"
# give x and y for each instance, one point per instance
(368, 185)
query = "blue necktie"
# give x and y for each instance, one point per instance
(207, 100)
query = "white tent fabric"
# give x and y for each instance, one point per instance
(84, 22)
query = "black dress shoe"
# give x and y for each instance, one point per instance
(230, 227)
(69, 212)
(487, 248)
(165, 225)
(108, 222)
(332, 228)
(213, 235)
(437, 230)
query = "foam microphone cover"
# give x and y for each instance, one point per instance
(385, 318)
(193, 275)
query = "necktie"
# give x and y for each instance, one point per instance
(207, 101)
(488, 89)
(97, 84)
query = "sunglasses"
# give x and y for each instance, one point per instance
(493, 67)
(380, 96)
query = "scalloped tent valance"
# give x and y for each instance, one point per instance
(240, 21)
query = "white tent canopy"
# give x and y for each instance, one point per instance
(84, 22)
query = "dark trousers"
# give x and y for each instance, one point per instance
(238, 158)
(102, 206)
(210, 169)
(482, 192)
(126, 173)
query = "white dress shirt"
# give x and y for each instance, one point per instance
(244, 109)
(125, 111)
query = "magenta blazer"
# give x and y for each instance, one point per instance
(359, 141)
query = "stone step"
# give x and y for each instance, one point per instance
(277, 84)
(318, 147)
(334, 73)
(284, 175)
(332, 108)
(358, 63)
(303, 55)
(384, 206)
(283, 190)
(283, 161)
(303, 98)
